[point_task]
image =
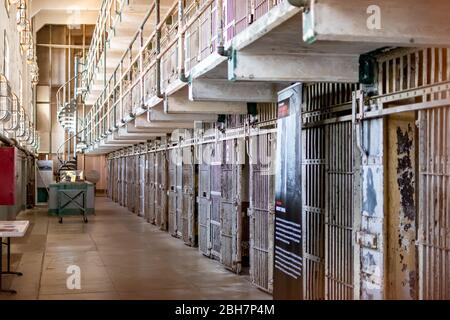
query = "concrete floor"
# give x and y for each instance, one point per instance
(120, 257)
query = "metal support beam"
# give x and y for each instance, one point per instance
(179, 103)
(389, 23)
(289, 68)
(223, 90)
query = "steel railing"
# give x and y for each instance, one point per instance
(15, 123)
(186, 35)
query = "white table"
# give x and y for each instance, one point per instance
(8, 230)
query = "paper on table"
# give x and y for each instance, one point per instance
(12, 229)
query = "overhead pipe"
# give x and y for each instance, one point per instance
(181, 61)
(219, 30)
(13, 143)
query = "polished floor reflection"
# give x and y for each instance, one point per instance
(120, 257)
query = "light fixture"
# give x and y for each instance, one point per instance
(21, 16)
(5, 99)
(26, 36)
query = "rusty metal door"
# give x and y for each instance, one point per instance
(130, 183)
(339, 211)
(116, 185)
(215, 196)
(434, 203)
(151, 188)
(158, 190)
(234, 204)
(204, 208)
(189, 193)
(142, 185)
(313, 205)
(161, 193)
(172, 193)
(122, 182)
(228, 208)
(261, 210)
(179, 191)
(135, 179)
(327, 192)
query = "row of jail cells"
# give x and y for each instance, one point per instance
(225, 205)
(218, 196)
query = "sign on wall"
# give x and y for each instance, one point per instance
(288, 261)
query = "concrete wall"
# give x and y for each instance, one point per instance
(19, 76)
(20, 82)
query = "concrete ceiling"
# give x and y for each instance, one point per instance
(70, 12)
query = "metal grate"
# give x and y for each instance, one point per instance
(204, 208)
(261, 210)
(151, 188)
(434, 216)
(189, 193)
(327, 192)
(339, 211)
(172, 200)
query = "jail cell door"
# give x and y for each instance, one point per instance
(130, 183)
(137, 185)
(116, 179)
(189, 192)
(228, 219)
(261, 210)
(142, 186)
(109, 178)
(151, 188)
(122, 184)
(313, 198)
(215, 196)
(234, 220)
(158, 189)
(339, 212)
(172, 193)
(161, 186)
(179, 191)
(434, 197)
(204, 208)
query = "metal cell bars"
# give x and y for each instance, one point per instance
(324, 184)
(313, 205)
(262, 149)
(143, 192)
(236, 18)
(130, 183)
(151, 183)
(228, 220)
(261, 7)
(161, 205)
(409, 69)
(200, 38)
(169, 48)
(174, 178)
(150, 69)
(339, 211)
(204, 207)
(189, 212)
(216, 199)
(109, 14)
(434, 215)
(234, 224)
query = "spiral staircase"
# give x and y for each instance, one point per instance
(70, 115)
